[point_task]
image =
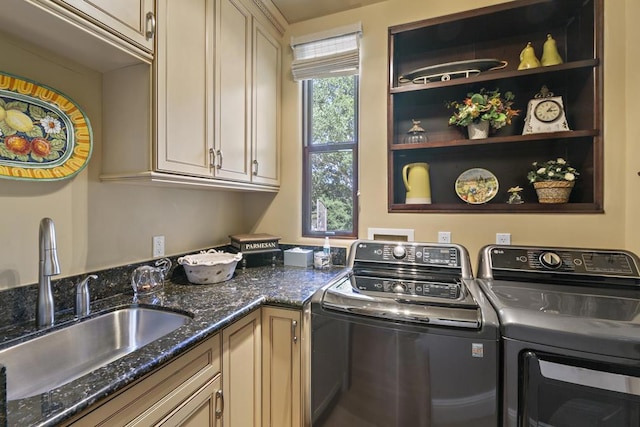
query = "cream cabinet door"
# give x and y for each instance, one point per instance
(281, 358)
(200, 410)
(132, 19)
(233, 90)
(184, 390)
(183, 85)
(266, 107)
(242, 372)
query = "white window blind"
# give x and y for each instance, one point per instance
(327, 54)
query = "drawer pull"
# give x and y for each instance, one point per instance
(220, 398)
(294, 325)
(151, 25)
(220, 159)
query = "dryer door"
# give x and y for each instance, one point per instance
(562, 392)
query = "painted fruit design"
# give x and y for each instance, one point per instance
(30, 133)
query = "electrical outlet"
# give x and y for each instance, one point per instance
(444, 237)
(158, 246)
(503, 238)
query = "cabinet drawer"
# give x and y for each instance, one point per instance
(165, 388)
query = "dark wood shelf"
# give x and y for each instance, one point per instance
(577, 27)
(569, 208)
(497, 140)
(488, 76)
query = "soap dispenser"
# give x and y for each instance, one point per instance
(327, 247)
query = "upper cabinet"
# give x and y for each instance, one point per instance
(419, 90)
(247, 96)
(183, 87)
(102, 34)
(191, 88)
(216, 90)
(265, 123)
(133, 20)
(233, 85)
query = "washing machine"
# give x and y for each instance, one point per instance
(570, 334)
(403, 339)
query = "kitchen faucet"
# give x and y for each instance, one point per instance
(48, 266)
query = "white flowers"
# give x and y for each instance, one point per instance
(552, 170)
(50, 124)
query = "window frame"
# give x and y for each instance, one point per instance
(309, 149)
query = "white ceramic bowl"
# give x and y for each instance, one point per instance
(209, 267)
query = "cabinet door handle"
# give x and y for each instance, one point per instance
(150, 25)
(255, 167)
(212, 159)
(294, 325)
(220, 159)
(219, 398)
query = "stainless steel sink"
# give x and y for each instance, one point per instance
(54, 359)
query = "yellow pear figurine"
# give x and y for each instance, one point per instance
(528, 58)
(550, 55)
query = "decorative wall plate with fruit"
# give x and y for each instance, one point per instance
(43, 134)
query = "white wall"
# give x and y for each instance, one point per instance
(615, 229)
(98, 225)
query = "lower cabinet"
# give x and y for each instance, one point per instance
(281, 368)
(242, 372)
(249, 375)
(202, 409)
(183, 392)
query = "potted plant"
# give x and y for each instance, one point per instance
(482, 109)
(553, 180)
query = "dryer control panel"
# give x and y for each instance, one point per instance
(607, 263)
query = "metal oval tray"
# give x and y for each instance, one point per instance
(449, 70)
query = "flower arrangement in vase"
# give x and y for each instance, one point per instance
(553, 180)
(483, 109)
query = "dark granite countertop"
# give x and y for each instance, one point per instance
(213, 307)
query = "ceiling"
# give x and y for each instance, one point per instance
(301, 10)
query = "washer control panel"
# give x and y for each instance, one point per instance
(408, 253)
(567, 261)
(415, 288)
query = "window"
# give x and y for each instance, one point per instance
(330, 163)
(328, 64)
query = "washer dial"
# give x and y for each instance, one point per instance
(550, 260)
(399, 252)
